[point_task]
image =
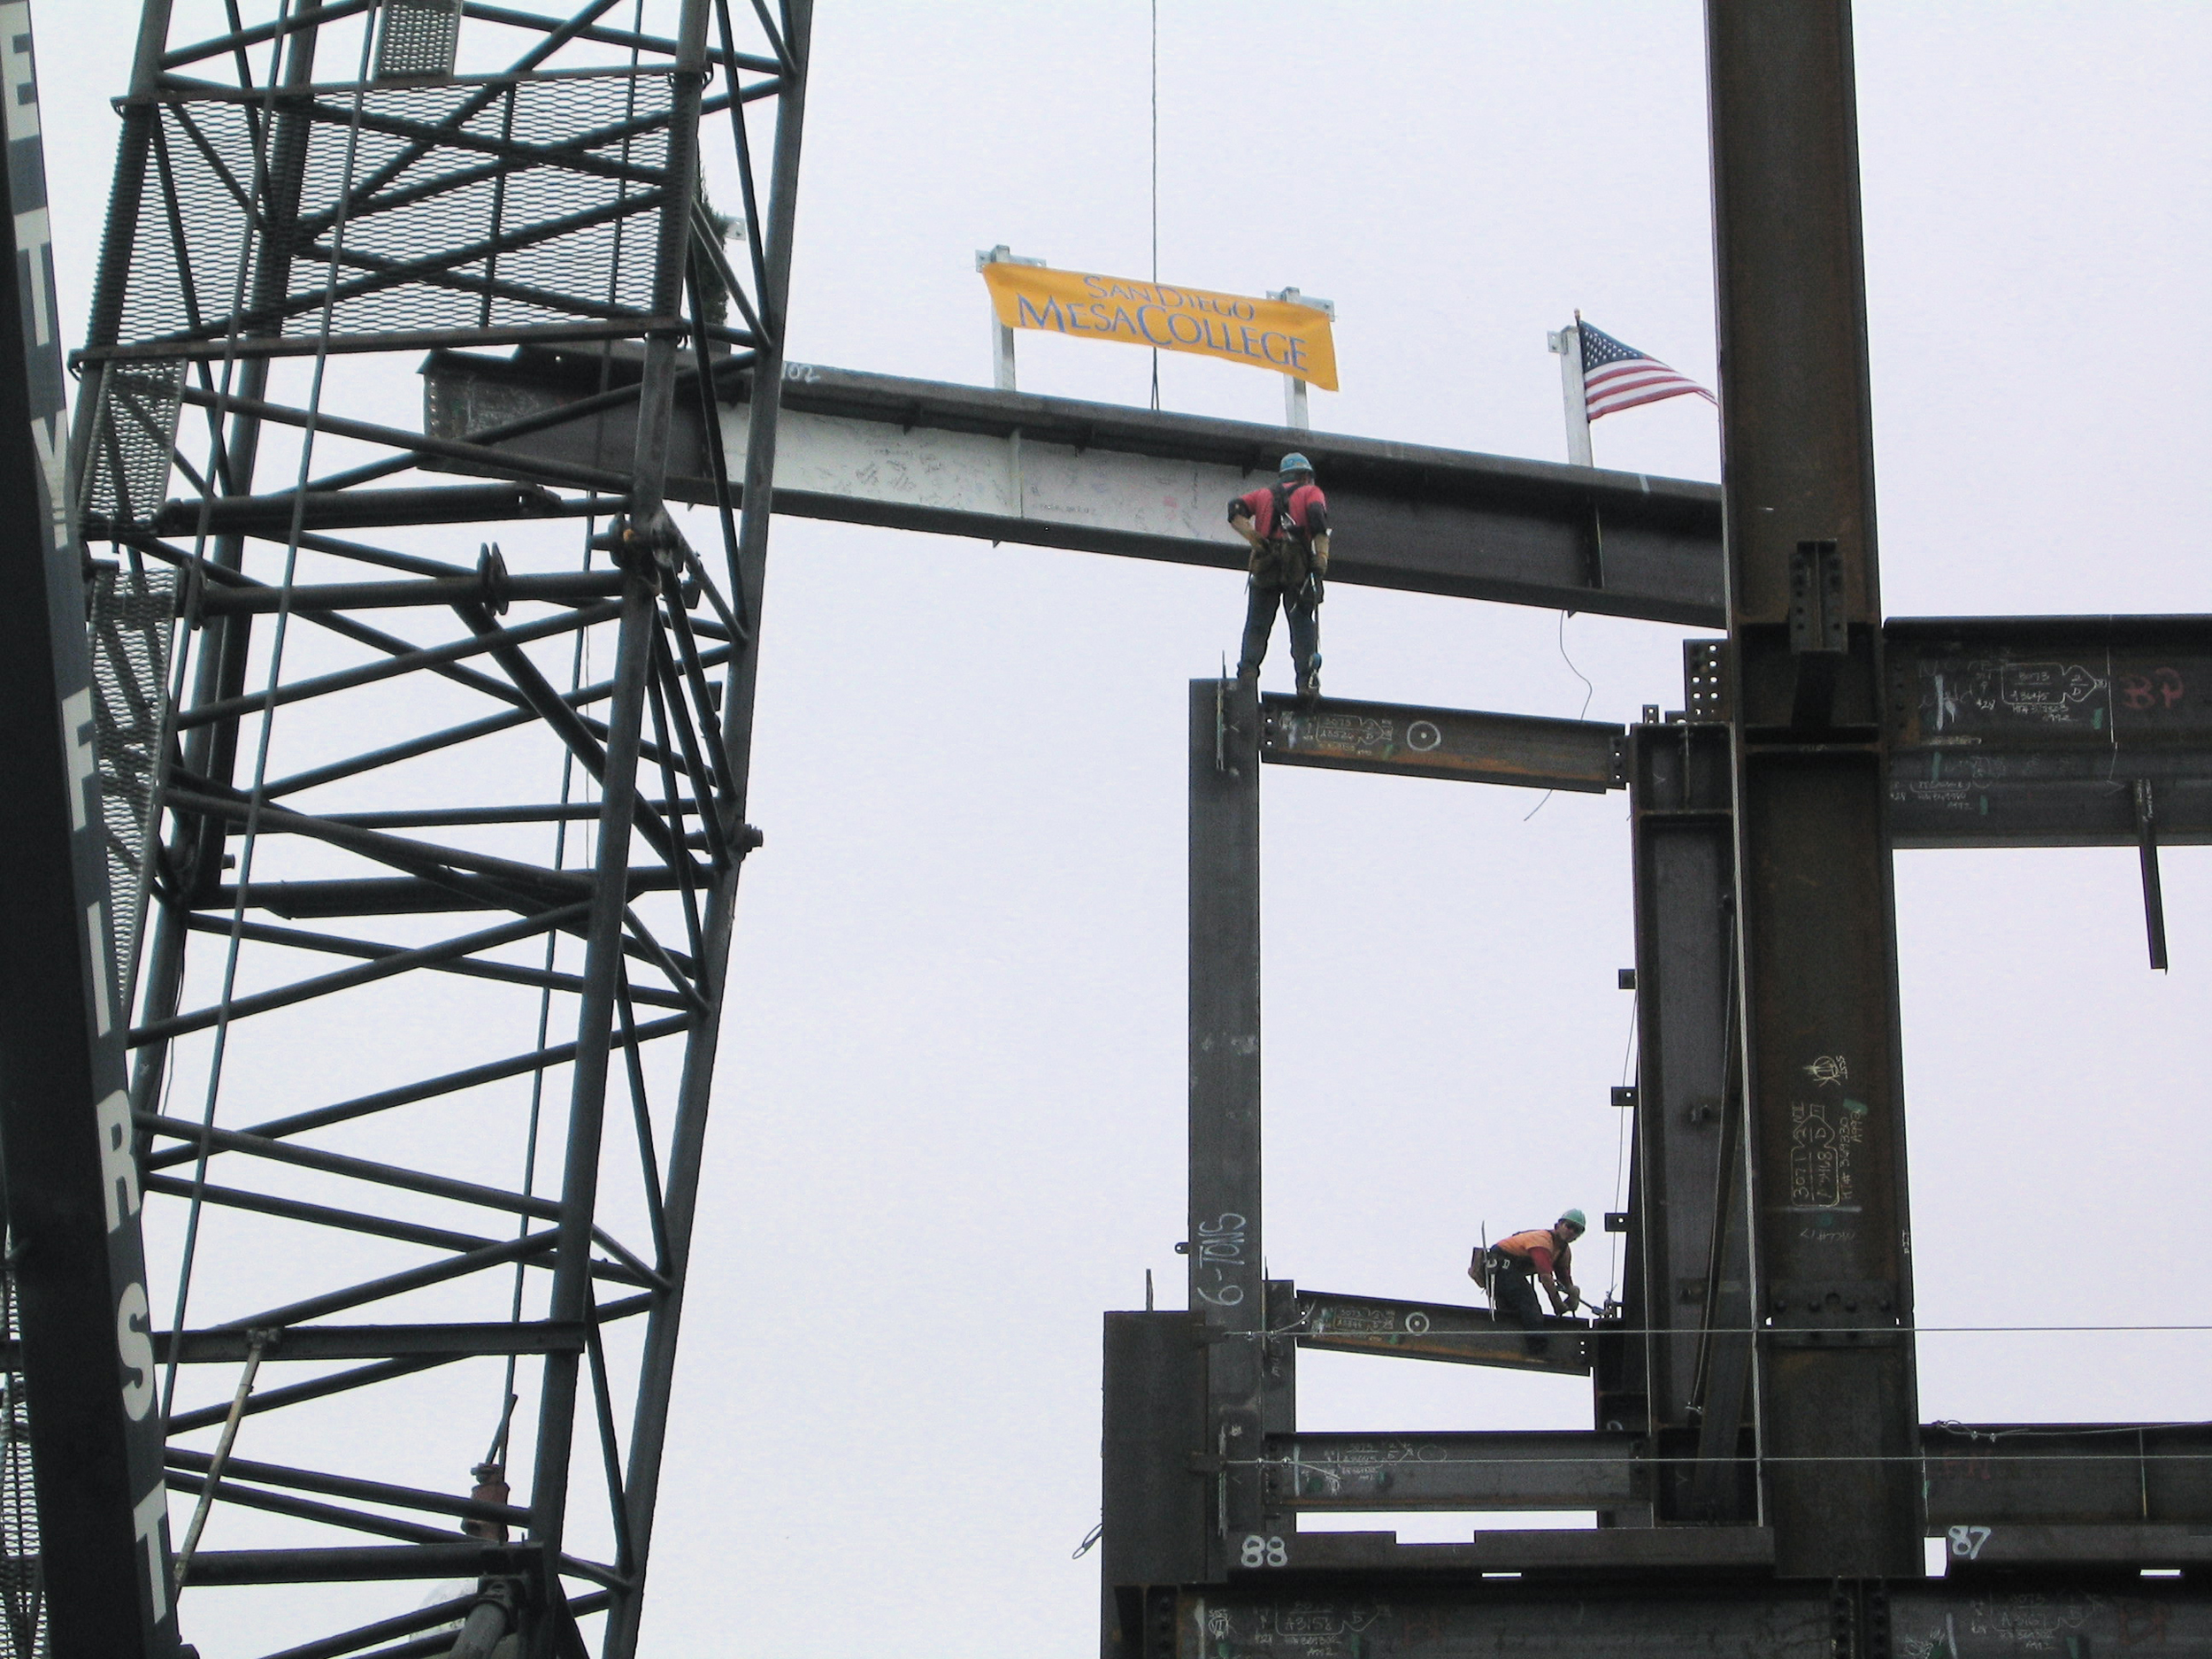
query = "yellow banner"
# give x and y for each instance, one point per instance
(1276, 334)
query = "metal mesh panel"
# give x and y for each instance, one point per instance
(130, 629)
(419, 38)
(133, 445)
(473, 206)
(22, 1597)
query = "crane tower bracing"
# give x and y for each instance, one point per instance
(452, 808)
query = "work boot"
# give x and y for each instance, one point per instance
(1248, 673)
(1310, 683)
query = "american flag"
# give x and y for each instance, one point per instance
(1616, 377)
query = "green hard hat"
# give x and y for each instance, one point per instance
(1295, 462)
(1578, 1218)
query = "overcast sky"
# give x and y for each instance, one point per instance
(950, 1123)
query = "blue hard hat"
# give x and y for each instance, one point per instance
(1295, 462)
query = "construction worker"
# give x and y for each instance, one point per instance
(1541, 1254)
(1287, 526)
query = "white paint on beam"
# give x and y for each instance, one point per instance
(1002, 478)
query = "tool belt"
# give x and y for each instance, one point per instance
(1281, 561)
(1496, 1261)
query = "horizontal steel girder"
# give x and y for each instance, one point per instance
(1514, 748)
(1611, 1550)
(2013, 1492)
(1437, 1331)
(1104, 478)
(2109, 1477)
(2033, 731)
(1748, 1620)
(1510, 1470)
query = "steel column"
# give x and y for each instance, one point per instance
(1690, 1290)
(1818, 947)
(1226, 1290)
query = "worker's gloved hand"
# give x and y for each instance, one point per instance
(1572, 1295)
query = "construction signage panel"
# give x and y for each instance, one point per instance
(88, 1401)
(1283, 335)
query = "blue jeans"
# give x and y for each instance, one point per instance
(1263, 595)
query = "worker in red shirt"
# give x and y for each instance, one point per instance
(1541, 1254)
(1287, 526)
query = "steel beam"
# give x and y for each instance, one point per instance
(1437, 1331)
(1502, 1469)
(2079, 1614)
(2079, 1476)
(2037, 731)
(1616, 1551)
(1052, 471)
(1453, 743)
(1818, 928)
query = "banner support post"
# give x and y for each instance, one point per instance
(1001, 336)
(1295, 414)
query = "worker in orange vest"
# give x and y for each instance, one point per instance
(1511, 1269)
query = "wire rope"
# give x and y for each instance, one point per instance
(579, 659)
(220, 474)
(1155, 184)
(1589, 691)
(257, 797)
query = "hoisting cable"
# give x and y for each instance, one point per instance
(1155, 184)
(1589, 691)
(256, 799)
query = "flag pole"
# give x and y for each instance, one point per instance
(1567, 343)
